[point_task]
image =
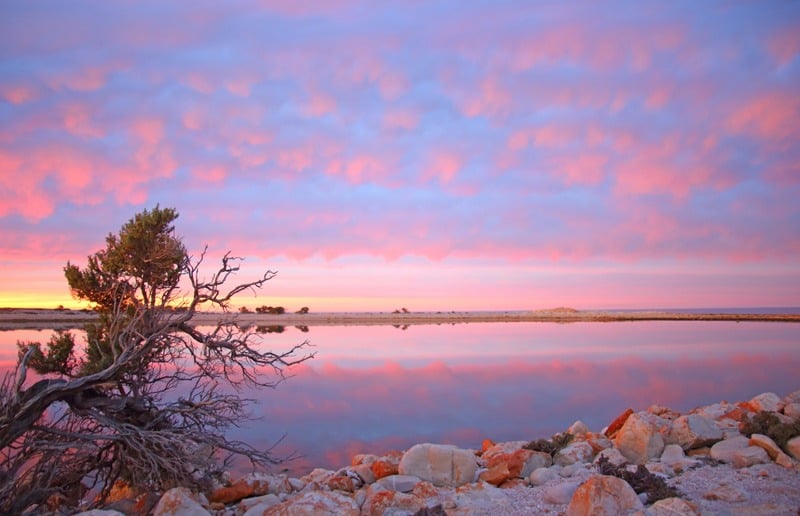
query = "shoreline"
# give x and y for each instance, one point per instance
(38, 318)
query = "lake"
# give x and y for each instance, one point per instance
(372, 389)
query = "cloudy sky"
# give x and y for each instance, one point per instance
(434, 155)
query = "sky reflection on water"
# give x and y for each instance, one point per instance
(377, 388)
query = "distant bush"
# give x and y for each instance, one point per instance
(767, 423)
(275, 310)
(244, 310)
(303, 310)
(552, 445)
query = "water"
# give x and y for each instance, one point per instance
(372, 389)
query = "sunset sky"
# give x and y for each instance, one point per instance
(441, 155)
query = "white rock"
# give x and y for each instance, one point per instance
(99, 512)
(314, 503)
(179, 501)
(724, 451)
(439, 464)
(535, 461)
(560, 493)
(767, 401)
(694, 431)
(265, 501)
(603, 495)
(578, 428)
(792, 410)
(749, 456)
(402, 483)
(793, 397)
(574, 452)
(615, 458)
(793, 447)
(674, 457)
(541, 476)
(672, 507)
(639, 440)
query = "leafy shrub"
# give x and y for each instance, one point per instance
(767, 423)
(552, 445)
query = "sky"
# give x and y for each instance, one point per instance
(443, 155)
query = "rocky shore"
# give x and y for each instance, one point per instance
(724, 458)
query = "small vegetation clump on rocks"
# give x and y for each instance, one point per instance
(767, 423)
(552, 445)
(641, 480)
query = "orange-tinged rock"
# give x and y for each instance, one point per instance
(121, 490)
(341, 484)
(378, 503)
(232, 493)
(486, 444)
(512, 483)
(603, 495)
(515, 462)
(387, 465)
(496, 474)
(615, 425)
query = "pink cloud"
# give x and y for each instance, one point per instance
(78, 121)
(17, 94)
(784, 44)
(319, 104)
(405, 119)
(443, 165)
(583, 169)
(773, 117)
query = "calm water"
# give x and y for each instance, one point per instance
(377, 388)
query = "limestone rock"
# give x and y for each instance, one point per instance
(763, 441)
(724, 451)
(674, 457)
(535, 461)
(541, 476)
(386, 465)
(793, 397)
(615, 425)
(501, 449)
(99, 512)
(792, 410)
(694, 431)
(578, 428)
(604, 495)
(768, 401)
(260, 503)
(749, 456)
(613, 455)
(496, 474)
(381, 501)
(478, 498)
(402, 483)
(316, 503)
(793, 447)
(439, 464)
(561, 493)
(639, 440)
(179, 501)
(520, 463)
(673, 507)
(574, 452)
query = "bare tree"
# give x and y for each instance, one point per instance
(151, 397)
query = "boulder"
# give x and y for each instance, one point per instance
(750, 456)
(613, 455)
(179, 501)
(99, 512)
(792, 410)
(767, 401)
(380, 501)
(502, 449)
(478, 498)
(561, 493)
(520, 463)
(316, 503)
(440, 464)
(578, 428)
(402, 483)
(674, 457)
(387, 464)
(639, 440)
(257, 504)
(574, 452)
(536, 460)
(673, 507)
(694, 431)
(763, 441)
(724, 451)
(615, 425)
(496, 474)
(603, 495)
(541, 476)
(793, 397)
(726, 493)
(793, 447)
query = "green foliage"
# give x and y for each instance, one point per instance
(767, 423)
(552, 445)
(59, 358)
(641, 480)
(145, 259)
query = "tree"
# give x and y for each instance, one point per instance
(149, 398)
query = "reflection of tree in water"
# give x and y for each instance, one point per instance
(270, 329)
(302, 327)
(403, 327)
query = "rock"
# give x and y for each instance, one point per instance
(496, 474)
(402, 483)
(561, 493)
(792, 410)
(793, 447)
(763, 441)
(694, 431)
(768, 401)
(674, 457)
(724, 451)
(613, 455)
(726, 493)
(784, 460)
(604, 495)
(599, 443)
(571, 470)
(99, 512)
(296, 484)
(615, 425)
(520, 463)
(578, 428)
(673, 507)
(386, 465)
(574, 452)
(439, 464)
(364, 472)
(179, 501)
(262, 502)
(541, 476)
(715, 411)
(342, 483)
(793, 397)
(318, 476)
(363, 458)
(478, 498)
(749, 456)
(381, 501)
(535, 461)
(501, 449)
(638, 440)
(316, 503)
